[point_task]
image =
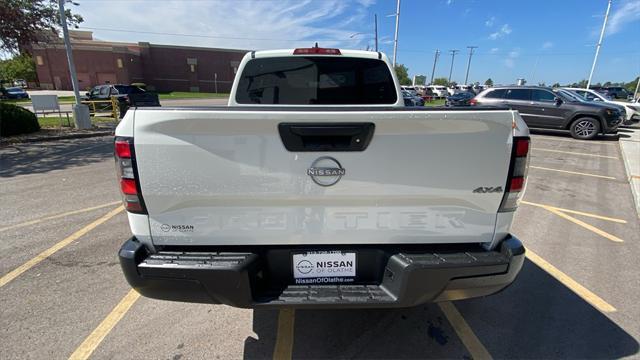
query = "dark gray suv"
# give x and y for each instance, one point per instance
(542, 107)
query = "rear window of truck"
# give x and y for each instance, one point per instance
(303, 80)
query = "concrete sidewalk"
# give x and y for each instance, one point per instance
(630, 148)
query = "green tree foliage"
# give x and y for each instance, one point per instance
(556, 85)
(631, 85)
(488, 82)
(403, 74)
(23, 22)
(441, 81)
(19, 67)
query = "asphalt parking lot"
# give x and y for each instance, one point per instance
(63, 294)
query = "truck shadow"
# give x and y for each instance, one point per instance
(537, 317)
(37, 158)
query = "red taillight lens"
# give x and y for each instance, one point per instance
(128, 187)
(123, 149)
(316, 51)
(127, 175)
(473, 101)
(517, 174)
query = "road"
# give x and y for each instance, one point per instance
(63, 294)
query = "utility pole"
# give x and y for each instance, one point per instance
(453, 56)
(466, 77)
(395, 39)
(80, 111)
(375, 29)
(435, 61)
(635, 93)
(595, 58)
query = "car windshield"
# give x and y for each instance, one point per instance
(568, 95)
(125, 89)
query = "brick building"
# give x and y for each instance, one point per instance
(160, 67)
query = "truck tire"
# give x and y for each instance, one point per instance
(584, 128)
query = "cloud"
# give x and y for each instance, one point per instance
(490, 21)
(494, 50)
(449, 2)
(627, 13)
(234, 24)
(510, 60)
(547, 45)
(504, 31)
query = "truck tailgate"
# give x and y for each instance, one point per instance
(223, 176)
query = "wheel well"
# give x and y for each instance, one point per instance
(580, 116)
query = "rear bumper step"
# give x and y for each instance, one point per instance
(390, 278)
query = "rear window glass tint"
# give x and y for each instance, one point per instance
(316, 81)
(519, 94)
(496, 94)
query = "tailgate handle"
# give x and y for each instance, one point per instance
(326, 137)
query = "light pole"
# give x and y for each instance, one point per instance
(375, 28)
(80, 111)
(466, 77)
(395, 39)
(435, 61)
(595, 58)
(453, 56)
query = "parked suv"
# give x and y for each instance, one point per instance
(104, 92)
(616, 92)
(542, 107)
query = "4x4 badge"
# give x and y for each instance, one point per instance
(488, 189)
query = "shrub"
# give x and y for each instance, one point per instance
(16, 120)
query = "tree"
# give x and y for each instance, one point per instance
(488, 82)
(631, 85)
(23, 22)
(556, 85)
(19, 67)
(403, 74)
(441, 81)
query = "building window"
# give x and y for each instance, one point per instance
(193, 68)
(192, 62)
(39, 60)
(119, 63)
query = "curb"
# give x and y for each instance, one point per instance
(57, 137)
(630, 148)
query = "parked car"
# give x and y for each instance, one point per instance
(13, 93)
(412, 90)
(20, 83)
(459, 99)
(299, 194)
(632, 111)
(411, 99)
(439, 91)
(616, 92)
(542, 107)
(104, 92)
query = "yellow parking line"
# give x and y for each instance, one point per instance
(464, 331)
(573, 285)
(52, 250)
(92, 341)
(572, 172)
(575, 153)
(58, 216)
(620, 221)
(591, 228)
(283, 348)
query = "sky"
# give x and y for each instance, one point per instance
(540, 40)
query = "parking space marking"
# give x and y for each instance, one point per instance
(572, 172)
(52, 250)
(283, 349)
(591, 228)
(94, 339)
(52, 217)
(573, 141)
(573, 285)
(576, 153)
(464, 331)
(620, 221)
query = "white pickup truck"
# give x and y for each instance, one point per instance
(316, 187)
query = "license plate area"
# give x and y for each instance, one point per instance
(324, 267)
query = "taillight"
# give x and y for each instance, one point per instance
(473, 101)
(128, 175)
(316, 51)
(517, 177)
